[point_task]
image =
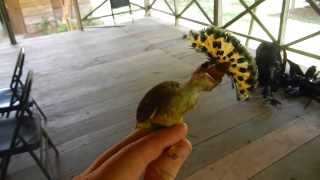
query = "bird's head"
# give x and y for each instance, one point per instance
(208, 75)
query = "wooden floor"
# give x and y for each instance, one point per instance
(89, 84)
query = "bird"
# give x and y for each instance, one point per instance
(165, 104)
(220, 47)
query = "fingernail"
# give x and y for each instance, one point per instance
(180, 150)
(182, 126)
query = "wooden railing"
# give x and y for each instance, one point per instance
(217, 21)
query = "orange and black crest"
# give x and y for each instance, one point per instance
(221, 46)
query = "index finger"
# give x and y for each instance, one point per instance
(136, 134)
(135, 157)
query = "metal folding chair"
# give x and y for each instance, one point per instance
(115, 4)
(23, 133)
(8, 96)
(8, 100)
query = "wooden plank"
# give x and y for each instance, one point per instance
(90, 83)
(260, 154)
(291, 166)
(217, 146)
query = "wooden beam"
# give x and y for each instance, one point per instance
(6, 22)
(314, 5)
(176, 18)
(253, 15)
(217, 12)
(254, 5)
(78, 15)
(283, 21)
(147, 7)
(250, 27)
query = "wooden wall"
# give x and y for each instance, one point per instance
(15, 15)
(26, 15)
(34, 11)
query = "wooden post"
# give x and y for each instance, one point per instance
(293, 4)
(78, 15)
(283, 21)
(176, 17)
(314, 6)
(217, 12)
(6, 19)
(250, 28)
(147, 7)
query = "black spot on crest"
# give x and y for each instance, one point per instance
(240, 78)
(230, 54)
(243, 70)
(203, 38)
(194, 45)
(220, 53)
(216, 44)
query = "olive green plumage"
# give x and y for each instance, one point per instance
(165, 104)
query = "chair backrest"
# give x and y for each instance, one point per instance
(25, 95)
(18, 70)
(119, 3)
(24, 105)
(16, 82)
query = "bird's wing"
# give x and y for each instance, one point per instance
(156, 100)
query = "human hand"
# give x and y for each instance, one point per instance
(144, 154)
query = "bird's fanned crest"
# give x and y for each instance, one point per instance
(222, 47)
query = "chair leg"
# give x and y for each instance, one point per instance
(114, 21)
(45, 134)
(130, 10)
(8, 114)
(4, 167)
(40, 110)
(43, 169)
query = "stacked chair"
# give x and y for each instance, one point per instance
(23, 131)
(115, 4)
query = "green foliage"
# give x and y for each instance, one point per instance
(45, 26)
(92, 22)
(61, 27)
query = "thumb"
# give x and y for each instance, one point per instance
(167, 166)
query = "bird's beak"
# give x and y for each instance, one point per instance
(217, 71)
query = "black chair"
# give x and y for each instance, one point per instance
(23, 133)
(8, 96)
(8, 100)
(115, 4)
